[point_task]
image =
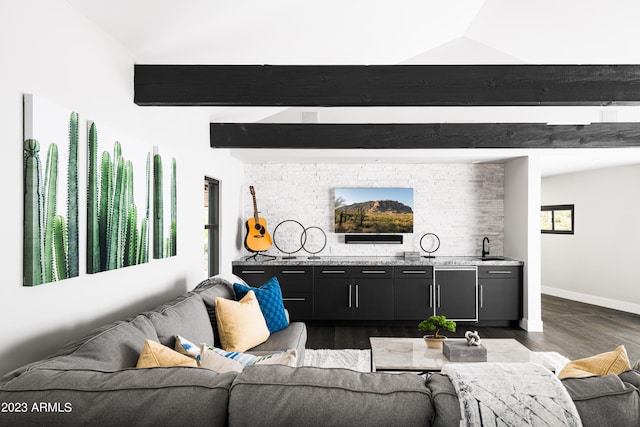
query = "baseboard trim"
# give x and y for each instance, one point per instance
(592, 299)
(531, 326)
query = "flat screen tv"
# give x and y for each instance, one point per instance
(373, 210)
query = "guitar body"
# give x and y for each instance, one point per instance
(258, 238)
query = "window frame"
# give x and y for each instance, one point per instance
(213, 225)
(553, 209)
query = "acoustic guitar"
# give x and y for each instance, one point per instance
(258, 238)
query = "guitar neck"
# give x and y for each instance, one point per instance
(255, 208)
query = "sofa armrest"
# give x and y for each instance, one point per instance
(151, 396)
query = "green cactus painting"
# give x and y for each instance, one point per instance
(50, 229)
(164, 233)
(116, 235)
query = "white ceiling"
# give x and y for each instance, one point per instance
(388, 32)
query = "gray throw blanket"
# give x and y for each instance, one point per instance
(511, 394)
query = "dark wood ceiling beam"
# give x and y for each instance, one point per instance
(411, 136)
(386, 85)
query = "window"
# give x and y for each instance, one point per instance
(557, 219)
(211, 227)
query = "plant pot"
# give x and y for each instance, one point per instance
(434, 342)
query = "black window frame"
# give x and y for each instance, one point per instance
(213, 225)
(553, 209)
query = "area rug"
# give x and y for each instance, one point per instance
(356, 360)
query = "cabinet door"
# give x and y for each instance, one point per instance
(373, 299)
(332, 293)
(456, 293)
(412, 292)
(333, 299)
(499, 299)
(297, 290)
(412, 299)
(255, 276)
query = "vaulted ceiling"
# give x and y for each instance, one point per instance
(383, 32)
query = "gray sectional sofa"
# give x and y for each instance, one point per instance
(93, 381)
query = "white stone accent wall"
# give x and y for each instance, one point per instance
(461, 203)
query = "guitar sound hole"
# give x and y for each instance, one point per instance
(258, 227)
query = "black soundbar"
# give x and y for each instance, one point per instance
(373, 238)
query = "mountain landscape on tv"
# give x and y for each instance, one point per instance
(374, 216)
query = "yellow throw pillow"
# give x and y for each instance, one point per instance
(154, 355)
(241, 325)
(612, 362)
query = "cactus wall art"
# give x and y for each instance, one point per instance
(118, 200)
(50, 189)
(165, 207)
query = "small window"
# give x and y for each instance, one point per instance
(557, 219)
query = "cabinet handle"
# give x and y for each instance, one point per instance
(333, 271)
(293, 271)
(373, 271)
(499, 272)
(413, 271)
(430, 296)
(357, 296)
(294, 299)
(252, 271)
(481, 297)
(438, 294)
(349, 296)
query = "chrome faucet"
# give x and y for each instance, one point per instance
(485, 251)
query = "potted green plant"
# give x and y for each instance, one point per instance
(436, 324)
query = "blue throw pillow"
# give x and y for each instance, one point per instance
(270, 299)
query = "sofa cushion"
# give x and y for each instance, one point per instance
(209, 290)
(445, 401)
(605, 400)
(294, 336)
(281, 395)
(109, 348)
(612, 362)
(632, 377)
(130, 397)
(241, 324)
(186, 315)
(155, 355)
(270, 299)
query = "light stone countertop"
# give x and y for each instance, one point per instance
(378, 260)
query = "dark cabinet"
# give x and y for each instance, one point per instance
(333, 294)
(455, 293)
(296, 284)
(500, 293)
(486, 293)
(255, 276)
(297, 290)
(412, 293)
(353, 293)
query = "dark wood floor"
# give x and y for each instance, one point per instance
(571, 328)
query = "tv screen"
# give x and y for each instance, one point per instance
(373, 210)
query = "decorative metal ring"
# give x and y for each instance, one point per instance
(275, 240)
(437, 239)
(303, 239)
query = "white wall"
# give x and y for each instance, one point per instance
(461, 203)
(597, 264)
(50, 50)
(522, 231)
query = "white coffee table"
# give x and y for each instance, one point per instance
(412, 354)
